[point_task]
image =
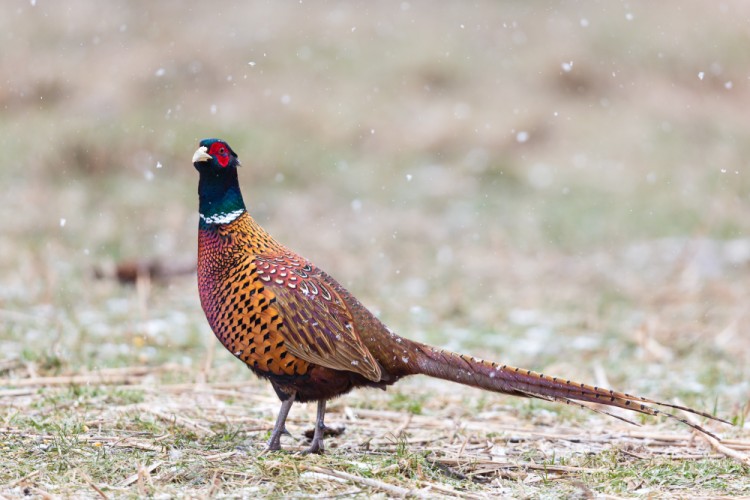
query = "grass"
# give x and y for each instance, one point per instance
(156, 440)
(611, 245)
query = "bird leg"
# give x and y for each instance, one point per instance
(317, 441)
(274, 443)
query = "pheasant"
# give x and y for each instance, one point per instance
(296, 326)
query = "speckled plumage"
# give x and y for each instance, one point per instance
(295, 325)
(271, 308)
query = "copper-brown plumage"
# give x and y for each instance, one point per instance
(295, 325)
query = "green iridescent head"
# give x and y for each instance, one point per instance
(218, 189)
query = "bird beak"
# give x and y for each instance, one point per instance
(201, 155)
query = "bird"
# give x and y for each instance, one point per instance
(293, 324)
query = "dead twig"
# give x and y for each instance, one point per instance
(715, 444)
(174, 418)
(107, 377)
(372, 483)
(491, 464)
(91, 483)
(141, 471)
(448, 491)
(19, 481)
(220, 456)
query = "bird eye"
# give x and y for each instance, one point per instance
(222, 151)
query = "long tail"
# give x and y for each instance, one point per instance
(526, 383)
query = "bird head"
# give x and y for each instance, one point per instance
(214, 155)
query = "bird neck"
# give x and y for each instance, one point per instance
(220, 197)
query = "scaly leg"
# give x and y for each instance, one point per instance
(274, 444)
(317, 441)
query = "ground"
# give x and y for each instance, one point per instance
(562, 187)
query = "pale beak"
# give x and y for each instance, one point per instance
(201, 155)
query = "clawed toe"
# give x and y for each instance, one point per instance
(316, 448)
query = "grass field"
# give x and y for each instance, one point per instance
(560, 186)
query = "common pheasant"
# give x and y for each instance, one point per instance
(296, 326)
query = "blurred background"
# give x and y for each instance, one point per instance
(558, 185)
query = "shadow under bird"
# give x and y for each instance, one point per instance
(296, 326)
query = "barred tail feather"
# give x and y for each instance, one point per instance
(526, 383)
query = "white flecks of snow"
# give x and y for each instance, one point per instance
(355, 362)
(723, 171)
(158, 164)
(251, 63)
(405, 359)
(728, 85)
(149, 175)
(522, 136)
(160, 72)
(701, 74)
(462, 26)
(372, 131)
(356, 205)
(584, 22)
(409, 177)
(286, 99)
(567, 66)
(354, 28)
(33, 3)
(279, 177)
(62, 222)
(214, 109)
(405, 6)
(629, 16)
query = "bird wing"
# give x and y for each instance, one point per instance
(318, 327)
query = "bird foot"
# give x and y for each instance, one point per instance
(316, 448)
(274, 443)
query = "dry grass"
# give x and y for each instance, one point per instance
(123, 431)
(450, 167)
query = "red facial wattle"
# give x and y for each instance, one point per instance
(220, 152)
